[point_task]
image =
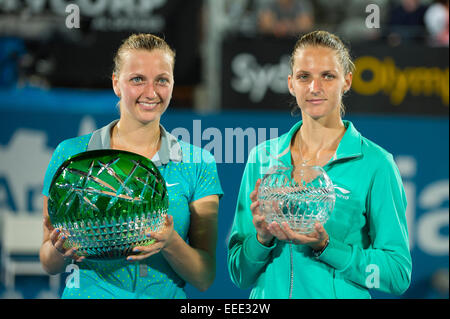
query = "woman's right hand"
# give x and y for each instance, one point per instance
(263, 234)
(57, 239)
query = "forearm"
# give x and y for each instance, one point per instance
(387, 270)
(246, 258)
(195, 266)
(52, 261)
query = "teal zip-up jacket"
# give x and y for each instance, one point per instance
(368, 247)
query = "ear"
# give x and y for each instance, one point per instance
(290, 87)
(348, 81)
(115, 84)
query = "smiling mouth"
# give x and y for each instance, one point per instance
(148, 105)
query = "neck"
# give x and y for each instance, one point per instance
(316, 141)
(318, 134)
(137, 137)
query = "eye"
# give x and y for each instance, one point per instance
(329, 76)
(302, 77)
(137, 79)
(163, 81)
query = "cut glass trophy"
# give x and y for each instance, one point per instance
(300, 196)
(104, 201)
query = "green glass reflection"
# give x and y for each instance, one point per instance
(105, 200)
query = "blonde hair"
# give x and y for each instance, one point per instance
(327, 40)
(142, 41)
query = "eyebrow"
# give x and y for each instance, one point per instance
(142, 75)
(136, 74)
(307, 72)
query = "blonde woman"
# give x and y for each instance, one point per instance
(185, 250)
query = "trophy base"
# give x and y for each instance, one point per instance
(111, 253)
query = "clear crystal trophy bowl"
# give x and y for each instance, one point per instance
(104, 201)
(300, 196)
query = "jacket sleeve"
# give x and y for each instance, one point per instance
(246, 256)
(386, 264)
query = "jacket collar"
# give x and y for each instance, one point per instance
(170, 149)
(349, 146)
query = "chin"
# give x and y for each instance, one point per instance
(317, 118)
(153, 119)
(149, 116)
(320, 113)
(315, 114)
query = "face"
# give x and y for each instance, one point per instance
(318, 82)
(144, 84)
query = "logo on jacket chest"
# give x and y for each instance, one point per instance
(342, 192)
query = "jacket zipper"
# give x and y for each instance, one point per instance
(291, 285)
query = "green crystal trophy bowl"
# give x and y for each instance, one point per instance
(104, 201)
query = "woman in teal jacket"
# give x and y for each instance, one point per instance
(365, 242)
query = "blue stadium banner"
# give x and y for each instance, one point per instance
(420, 146)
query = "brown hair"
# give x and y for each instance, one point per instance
(142, 41)
(327, 40)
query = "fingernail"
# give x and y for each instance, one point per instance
(136, 250)
(130, 259)
(57, 230)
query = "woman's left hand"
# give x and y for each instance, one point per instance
(162, 239)
(316, 239)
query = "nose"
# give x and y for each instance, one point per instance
(315, 86)
(150, 91)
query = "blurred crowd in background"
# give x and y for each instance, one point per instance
(400, 21)
(423, 21)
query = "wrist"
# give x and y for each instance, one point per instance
(53, 262)
(265, 241)
(171, 244)
(320, 245)
(318, 250)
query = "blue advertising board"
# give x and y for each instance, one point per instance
(420, 146)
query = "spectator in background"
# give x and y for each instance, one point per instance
(242, 16)
(406, 22)
(436, 22)
(284, 18)
(353, 19)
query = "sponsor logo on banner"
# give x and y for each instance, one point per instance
(104, 15)
(256, 79)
